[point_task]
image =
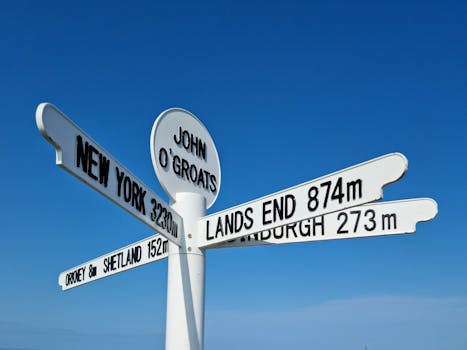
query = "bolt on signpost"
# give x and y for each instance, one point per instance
(186, 162)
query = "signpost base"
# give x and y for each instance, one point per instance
(185, 286)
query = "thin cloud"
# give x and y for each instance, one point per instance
(381, 322)
(21, 336)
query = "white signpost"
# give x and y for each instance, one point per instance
(82, 157)
(370, 220)
(140, 253)
(187, 165)
(353, 186)
(184, 155)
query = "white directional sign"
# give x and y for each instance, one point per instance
(347, 188)
(187, 165)
(376, 219)
(184, 155)
(137, 254)
(84, 158)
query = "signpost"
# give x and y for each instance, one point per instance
(187, 165)
(184, 155)
(82, 157)
(376, 219)
(353, 186)
(140, 253)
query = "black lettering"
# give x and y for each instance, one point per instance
(265, 235)
(326, 184)
(354, 188)
(229, 223)
(159, 246)
(290, 205)
(151, 249)
(201, 179)
(194, 144)
(208, 237)
(119, 180)
(158, 219)
(176, 165)
(75, 276)
(282, 208)
(113, 262)
(186, 139)
(318, 222)
(238, 221)
(219, 229)
(202, 150)
(134, 195)
(278, 236)
(88, 157)
(190, 142)
(127, 189)
(305, 228)
(313, 201)
(106, 265)
(163, 157)
(371, 219)
(142, 207)
(207, 175)
(185, 166)
(213, 186)
(193, 174)
(120, 262)
(179, 136)
(92, 161)
(131, 258)
(291, 227)
(386, 220)
(134, 255)
(337, 193)
(248, 218)
(81, 154)
(357, 213)
(341, 230)
(277, 209)
(104, 165)
(92, 271)
(265, 212)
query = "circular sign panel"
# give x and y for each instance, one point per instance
(184, 155)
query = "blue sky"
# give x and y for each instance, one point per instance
(289, 91)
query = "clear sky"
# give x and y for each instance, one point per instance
(289, 91)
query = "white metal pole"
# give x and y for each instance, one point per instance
(185, 284)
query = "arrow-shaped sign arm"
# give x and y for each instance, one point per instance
(140, 253)
(347, 188)
(376, 219)
(41, 121)
(426, 209)
(84, 158)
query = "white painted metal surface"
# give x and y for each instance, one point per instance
(82, 157)
(186, 281)
(187, 165)
(347, 188)
(140, 253)
(376, 219)
(184, 155)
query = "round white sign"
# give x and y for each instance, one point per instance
(184, 155)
